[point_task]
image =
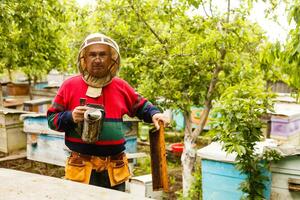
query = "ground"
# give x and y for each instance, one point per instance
(56, 171)
(142, 167)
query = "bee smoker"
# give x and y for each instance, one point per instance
(92, 123)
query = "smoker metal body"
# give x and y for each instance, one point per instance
(93, 122)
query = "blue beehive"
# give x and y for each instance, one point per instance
(131, 144)
(178, 118)
(220, 179)
(130, 126)
(46, 145)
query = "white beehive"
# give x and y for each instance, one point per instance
(142, 186)
(11, 136)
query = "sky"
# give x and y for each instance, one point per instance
(85, 2)
(275, 31)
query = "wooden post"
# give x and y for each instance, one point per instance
(266, 118)
(158, 159)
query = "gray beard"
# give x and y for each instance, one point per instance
(96, 81)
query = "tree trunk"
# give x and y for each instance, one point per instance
(9, 75)
(29, 84)
(188, 155)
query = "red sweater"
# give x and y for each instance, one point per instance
(118, 98)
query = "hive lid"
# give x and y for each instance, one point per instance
(286, 111)
(38, 101)
(11, 111)
(288, 149)
(31, 115)
(214, 150)
(144, 179)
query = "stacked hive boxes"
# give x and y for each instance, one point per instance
(286, 177)
(220, 179)
(285, 128)
(285, 123)
(37, 105)
(46, 145)
(11, 136)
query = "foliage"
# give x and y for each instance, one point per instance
(38, 36)
(157, 38)
(36, 28)
(241, 108)
(195, 191)
(80, 24)
(177, 60)
(282, 60)
(270, 61)
(8, 30)
(290, 56)
(142, 167)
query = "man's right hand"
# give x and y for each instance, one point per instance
(78, 113)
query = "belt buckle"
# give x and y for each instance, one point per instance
(75, 154)
(105, 158)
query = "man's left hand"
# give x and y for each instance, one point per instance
(160, 117)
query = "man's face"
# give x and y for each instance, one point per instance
(98, 60)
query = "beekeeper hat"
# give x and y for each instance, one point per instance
(98, 38)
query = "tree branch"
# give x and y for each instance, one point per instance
(211, 89)
(210, 5)
(149, 27)
(228, 10)
(204, 9)
(207, 103)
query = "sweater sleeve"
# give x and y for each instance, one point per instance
(59, 119)
(146, 112)
(139, 106)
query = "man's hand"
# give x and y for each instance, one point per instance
(160, 117)
(78, 113)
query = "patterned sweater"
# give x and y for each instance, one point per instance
(118, 98)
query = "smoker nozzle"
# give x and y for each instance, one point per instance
(93, 114)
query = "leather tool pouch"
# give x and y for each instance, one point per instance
(78, 170)
(118, 171)
(99, 164)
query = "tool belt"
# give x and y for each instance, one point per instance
(79, 167)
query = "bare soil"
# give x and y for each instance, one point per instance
(34, 167)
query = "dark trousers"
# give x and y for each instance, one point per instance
(101, 179)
